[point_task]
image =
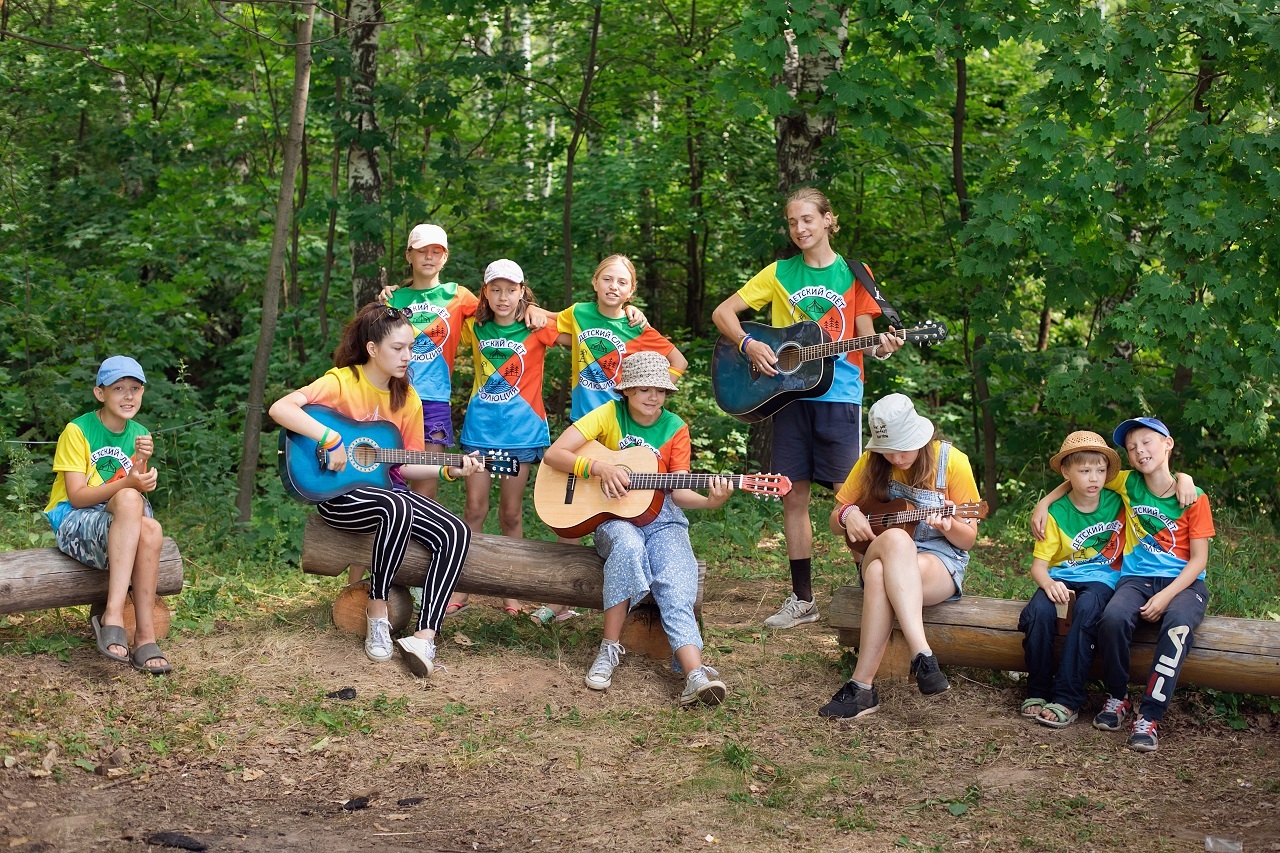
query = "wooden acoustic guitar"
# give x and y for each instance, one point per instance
(371, 447)
(901, 513)
(806, 366)
(573, 506)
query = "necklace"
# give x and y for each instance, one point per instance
(1169, 489)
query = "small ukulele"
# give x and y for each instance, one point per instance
(572, 506)
(901, 513)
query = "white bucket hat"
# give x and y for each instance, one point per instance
(427, 235)
(646, 369)
(895, 426)
(504, 269)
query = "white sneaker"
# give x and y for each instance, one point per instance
(420, 654)
(794, 611)
(703, 685)
(600, 676)
(377, 639)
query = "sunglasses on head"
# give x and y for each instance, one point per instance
(406, 312)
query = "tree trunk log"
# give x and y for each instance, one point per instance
(1236, 655)
(41, 578)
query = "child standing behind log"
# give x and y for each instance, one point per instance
(99, 514)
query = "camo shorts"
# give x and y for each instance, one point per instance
(83, 534)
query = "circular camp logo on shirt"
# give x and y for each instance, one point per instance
(1157, 541)
(607, 351)
(823, 306)
(431, 322)
(110, 461)
(630, 440)
(506, 358)
(1105, 539)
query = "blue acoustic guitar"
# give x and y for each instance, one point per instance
(370, 446)
(806, 366)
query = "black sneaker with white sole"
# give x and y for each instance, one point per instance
(851, 701)
(929, 677)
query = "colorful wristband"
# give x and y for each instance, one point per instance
(445, 475)
(333, 442)
(582, 467)
(675, 371)
(742, 344)
(844, 513)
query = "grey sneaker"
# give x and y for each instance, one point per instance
(1144, 737)
(377, 639)
(929, 678)
(703, 685)
(419, 654)
(1111, 715)
(794, 611)
(600, 676)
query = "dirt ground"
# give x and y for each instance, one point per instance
(241, 750)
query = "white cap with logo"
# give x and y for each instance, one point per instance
(505, 269)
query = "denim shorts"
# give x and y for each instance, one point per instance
(526, 455)
(437, 420)
(83, 534)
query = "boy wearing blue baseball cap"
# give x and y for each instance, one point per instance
(99, 513)
(1167, 534)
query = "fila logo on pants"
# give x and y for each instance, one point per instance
(1167, 667)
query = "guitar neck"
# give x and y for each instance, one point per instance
(666, 482)
(395, 456)
(832, 348)
(906, 516)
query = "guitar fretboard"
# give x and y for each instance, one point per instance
(394, 456)
(906, 516)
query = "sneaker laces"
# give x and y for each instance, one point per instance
(1143, 726)
(702, 675)
(609, 652)
(846, 693)
(924, 664)
(380, 633)
(794, 606)
(1113, 706)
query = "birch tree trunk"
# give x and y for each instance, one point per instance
(364, 177)
(275, 266)
(801, 131)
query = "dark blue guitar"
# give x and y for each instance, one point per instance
(370, 446)
(806, 366)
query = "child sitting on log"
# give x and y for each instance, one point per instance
(1080, 553)
(99, 513)
(658, 557)
(1169, 525)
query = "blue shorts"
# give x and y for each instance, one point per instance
(527, 455)
(817, 441)
(437, 422)
(83, 534)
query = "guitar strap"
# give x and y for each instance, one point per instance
(868, 282)
(940, 478)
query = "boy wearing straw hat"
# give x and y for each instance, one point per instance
(1081, 553)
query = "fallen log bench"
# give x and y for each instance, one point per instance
(1230, 654)
(42, 578)
(525, 569)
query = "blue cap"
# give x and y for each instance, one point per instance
(1133, 423)
(117, 367)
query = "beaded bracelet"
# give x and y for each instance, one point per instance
(844, 513)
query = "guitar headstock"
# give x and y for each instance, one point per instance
(978, 510)
(766, 485)
(928, 332)
(500, 463)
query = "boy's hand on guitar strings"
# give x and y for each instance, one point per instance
(763, 357)
(890, 342)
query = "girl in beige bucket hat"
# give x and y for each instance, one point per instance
(902, 572)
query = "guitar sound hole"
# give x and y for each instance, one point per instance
(364, 454)
(788, 359)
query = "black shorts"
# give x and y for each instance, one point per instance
(817, 441)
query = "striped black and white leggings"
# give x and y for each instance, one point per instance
(393, 518)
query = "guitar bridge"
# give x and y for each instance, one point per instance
(569, 486)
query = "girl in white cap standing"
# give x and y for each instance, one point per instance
(903, 572)
(656, 558)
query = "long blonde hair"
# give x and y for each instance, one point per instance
(874, 482)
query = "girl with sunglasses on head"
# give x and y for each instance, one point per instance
(368, 382)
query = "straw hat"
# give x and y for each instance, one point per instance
(895, 426)
(1085, 440)
(646, 370)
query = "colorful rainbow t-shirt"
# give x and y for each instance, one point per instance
(1084, 547)
(505, 410)
(600, 344)
(88, 447)
(1160, 530)
(831, 297)
(437, 318)
(667, 437)
(348, 391)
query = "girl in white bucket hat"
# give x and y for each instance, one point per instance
(902, 571)
(655, 558)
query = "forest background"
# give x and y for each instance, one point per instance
(1085, 193)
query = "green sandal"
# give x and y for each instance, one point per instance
(1062, 716)
(1036, 703)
